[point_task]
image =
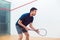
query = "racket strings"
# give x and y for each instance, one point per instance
(42, 32)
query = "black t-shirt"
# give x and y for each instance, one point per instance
(26, 19)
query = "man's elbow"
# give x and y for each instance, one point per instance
(19, 22)
(30, 26)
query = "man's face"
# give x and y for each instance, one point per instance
(33, 13)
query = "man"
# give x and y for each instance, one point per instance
(23, 21)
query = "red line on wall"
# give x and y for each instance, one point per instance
(18, 6)
(22, 5)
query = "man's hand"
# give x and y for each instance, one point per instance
(36, 30)
(27, 28)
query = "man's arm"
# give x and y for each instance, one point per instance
(31, 26)
(20, 23)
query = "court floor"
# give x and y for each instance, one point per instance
(14, 37)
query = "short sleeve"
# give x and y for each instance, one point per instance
(22, 17)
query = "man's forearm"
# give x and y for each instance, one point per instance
(20, 23)
(32, 27)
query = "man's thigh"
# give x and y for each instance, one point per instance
(19, 30)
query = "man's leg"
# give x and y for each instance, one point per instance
(27, 35)
(19, 30)
(20, 36)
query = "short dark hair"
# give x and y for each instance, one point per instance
(33, 8)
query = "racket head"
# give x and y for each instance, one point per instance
(42, 32)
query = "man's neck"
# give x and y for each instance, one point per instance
(30, 15)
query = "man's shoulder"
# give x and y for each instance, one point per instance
(25, 14)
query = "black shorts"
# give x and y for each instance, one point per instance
(20, 30)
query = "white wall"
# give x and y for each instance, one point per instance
(48, 15)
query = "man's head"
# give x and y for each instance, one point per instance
(33, 11)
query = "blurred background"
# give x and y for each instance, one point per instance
(4, 17)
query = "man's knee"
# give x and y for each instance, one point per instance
(20, 36)
(27, 35)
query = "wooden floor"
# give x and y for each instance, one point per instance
(12, 37)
